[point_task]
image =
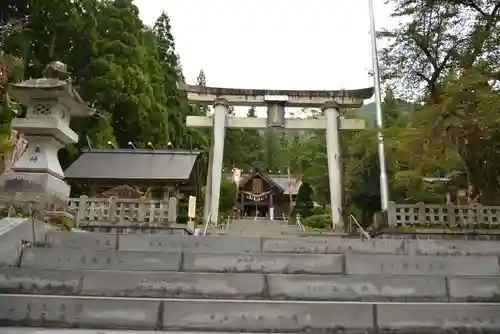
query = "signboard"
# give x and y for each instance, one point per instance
(192, 207)
(276, 115)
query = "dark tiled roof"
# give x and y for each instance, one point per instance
(130, 164)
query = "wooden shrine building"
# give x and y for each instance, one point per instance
(132, 173)
(266, 195)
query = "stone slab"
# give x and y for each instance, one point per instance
(15, 230)
(421, 265)
(170, 285)
(82, 259)
(454, 248)
(474, 289)
(320, 245)
(264, 263)
(180, 243)
(37, 281)
(357, 288)
(16, 330)
(268, 317)
(98, 241)
(35, 187)
(438, 318)
(49, 311)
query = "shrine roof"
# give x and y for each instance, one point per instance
(291, 185)
(133, 164)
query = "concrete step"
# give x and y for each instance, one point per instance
(17, 330)
(279, 263)
(238, 244)
(246, 316)
(82, 259)
(248, 286)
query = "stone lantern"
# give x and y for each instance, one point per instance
(37, 177)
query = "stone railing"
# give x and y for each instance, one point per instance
(105, 213)
(443, 216)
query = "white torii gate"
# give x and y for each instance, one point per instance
(276, 101)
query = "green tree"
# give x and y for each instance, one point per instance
(227, 196)
(304, 203)
(445, 55)
(128, 72)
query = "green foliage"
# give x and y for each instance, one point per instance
(128, 72)
(227, 196)
(445, 55)
(304, 203)
(318, 222)
(60, 222)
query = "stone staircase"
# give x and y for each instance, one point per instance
(105, 283)
(261, 227)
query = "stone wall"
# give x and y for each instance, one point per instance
(112, 213)
(424, 215)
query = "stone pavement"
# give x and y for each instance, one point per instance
(261, 227)
(247, 284)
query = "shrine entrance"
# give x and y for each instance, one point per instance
(276, 102)
(260, 197)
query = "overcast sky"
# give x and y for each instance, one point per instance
(313, 44)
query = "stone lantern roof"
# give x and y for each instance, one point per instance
(56, 85)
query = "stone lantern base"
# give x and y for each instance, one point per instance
(38, 188)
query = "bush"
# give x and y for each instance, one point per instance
(304, 204)
(60, 222)
(319, 221)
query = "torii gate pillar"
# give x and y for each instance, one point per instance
(215, 160)
(331, 112)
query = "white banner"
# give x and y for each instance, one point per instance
(192, 207)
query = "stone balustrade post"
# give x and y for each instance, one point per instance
(83, 207)
(391, 214)
(142, 209)
(112, 209)
(422, 214)
(172, 210)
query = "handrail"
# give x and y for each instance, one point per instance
(352, 218)
(299, 223)
(209, 218)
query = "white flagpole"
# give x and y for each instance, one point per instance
(384, 187)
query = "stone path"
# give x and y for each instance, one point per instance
(261, 227)
(251, 284)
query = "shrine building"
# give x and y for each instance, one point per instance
(132, 173)
(266, 195)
